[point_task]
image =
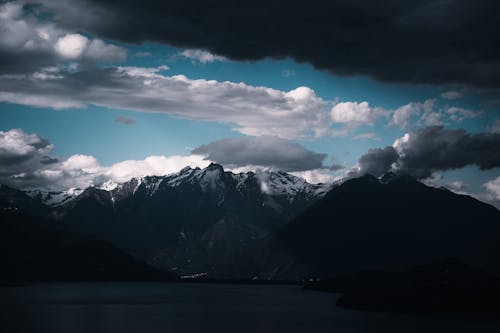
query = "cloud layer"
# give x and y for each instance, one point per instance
(394, 40)
(431, 149)
(25, 162)
(263, 151)
(44, 62)
(252, 110)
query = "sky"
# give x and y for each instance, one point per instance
(92, 91)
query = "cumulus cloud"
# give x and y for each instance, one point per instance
(355, 114)
(101, 51)
(21, 152)
(459, 114)
(28, 42)
(493, 188)
(402, 115)
(432, 118)
(429, 113)
(71, 46)
(432, 149)
(377, 161)
(201, 56)
(263, 151)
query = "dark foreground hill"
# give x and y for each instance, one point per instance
(33, 250)
(391, 223)
(446, 286)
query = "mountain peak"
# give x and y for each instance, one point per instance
(390, 177)
(215, 166)
(185, 170)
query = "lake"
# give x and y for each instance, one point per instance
(182, 307)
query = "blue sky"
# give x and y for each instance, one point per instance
(153, 133)
(73, 100)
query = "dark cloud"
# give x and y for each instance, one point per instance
(124, 120)
(336, 167)
(49, 160)
(266, 151)
(21, 154)
(378, 161)
(430, 41)
(432, 149)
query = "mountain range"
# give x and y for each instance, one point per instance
(392, 222)
(271, 225)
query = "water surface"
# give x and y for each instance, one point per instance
(190, 308)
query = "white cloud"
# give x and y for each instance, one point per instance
(27, 40)
(451, 95)
(317, 176)
(16, 144)
(102, 51)
(153, 165)
(201, 56)
(25, 163)
(402, 115)
(71, 46)
(252, 110)
(22, 153)
(80, 171)
(460, 114)
(493, 188)
(355, 113)
(432, 119)
(457, 186)
(81, 162)
(431, 114)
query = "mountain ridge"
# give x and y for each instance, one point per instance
(389, 223)
(272, 225)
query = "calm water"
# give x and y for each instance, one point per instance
(150, 307)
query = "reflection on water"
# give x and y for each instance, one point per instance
(151, 307)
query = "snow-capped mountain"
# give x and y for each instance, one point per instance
(54, 198)
(209, 222)
(197, 220)
(213, 179)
